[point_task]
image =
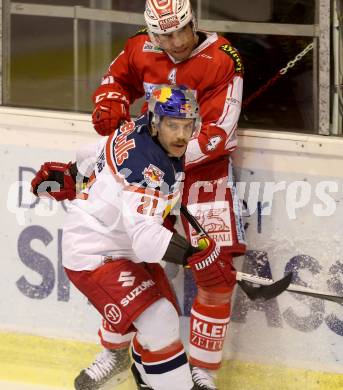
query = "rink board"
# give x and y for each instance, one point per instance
(297, 229)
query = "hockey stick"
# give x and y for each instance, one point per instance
(265, 290)
(268, 288)
(241, 276)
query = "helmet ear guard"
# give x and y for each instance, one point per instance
(153, 123)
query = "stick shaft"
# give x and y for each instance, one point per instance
(193, 221)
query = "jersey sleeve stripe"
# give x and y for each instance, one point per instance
(229, 118)
(226, 105)
(194, 153)
(143, 190)
(111, 162)
(109, 155)
(170, 199)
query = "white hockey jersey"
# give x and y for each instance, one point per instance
(120, 214)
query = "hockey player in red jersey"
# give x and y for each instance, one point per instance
(172, 50)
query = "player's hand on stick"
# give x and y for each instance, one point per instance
(209, 268)
(54, 179)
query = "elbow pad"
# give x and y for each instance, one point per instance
(179, 250)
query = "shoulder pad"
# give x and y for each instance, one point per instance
(141, 31)
(233, 53)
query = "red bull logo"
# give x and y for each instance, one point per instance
(163, 94)
(186, 108)
(153, 176)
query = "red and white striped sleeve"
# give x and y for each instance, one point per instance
(220, 108)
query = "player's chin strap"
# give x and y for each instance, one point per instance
(268, 288)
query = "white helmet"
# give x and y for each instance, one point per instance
(166, 16)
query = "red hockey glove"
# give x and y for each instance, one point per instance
(111, 108)
(209, 269)
(54, 179)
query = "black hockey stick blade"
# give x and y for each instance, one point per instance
(267, 291)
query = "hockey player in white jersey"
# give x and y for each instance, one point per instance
(114, 240)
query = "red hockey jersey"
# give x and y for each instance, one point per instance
(214, 70)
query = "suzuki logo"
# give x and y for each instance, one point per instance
(127, 278)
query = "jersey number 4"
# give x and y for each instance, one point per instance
(172, 76)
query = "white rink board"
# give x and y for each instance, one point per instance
(298, 228)
(31, 236)
(35, 294)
